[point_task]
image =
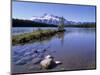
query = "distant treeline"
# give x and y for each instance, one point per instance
(83, 25)
(28, 23)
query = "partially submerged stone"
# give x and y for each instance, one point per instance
(58, 62)
(48, 62)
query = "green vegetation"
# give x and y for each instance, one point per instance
(32, 36)
(41, 34)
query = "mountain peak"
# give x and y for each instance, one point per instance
(49, 19)
(49, 16)
(45, 14)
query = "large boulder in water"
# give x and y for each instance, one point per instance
(48, 62)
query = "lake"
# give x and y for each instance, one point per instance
(75, 48)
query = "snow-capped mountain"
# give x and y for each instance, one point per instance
(49, 19)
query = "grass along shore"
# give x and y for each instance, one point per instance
(33, 36)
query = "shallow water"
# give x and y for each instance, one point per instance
(75, 48)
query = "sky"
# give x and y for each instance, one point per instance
(77, 13)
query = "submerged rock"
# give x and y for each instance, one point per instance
(36, 60)
(24, 60)
(21, 62)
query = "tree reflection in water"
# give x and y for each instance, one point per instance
(60, 35)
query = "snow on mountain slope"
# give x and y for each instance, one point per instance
(49, 19)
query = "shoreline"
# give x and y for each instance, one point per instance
(33, 36)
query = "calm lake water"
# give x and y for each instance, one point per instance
(75, 48)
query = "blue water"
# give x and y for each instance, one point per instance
(75, 48)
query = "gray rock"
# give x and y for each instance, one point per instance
(48, 62)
